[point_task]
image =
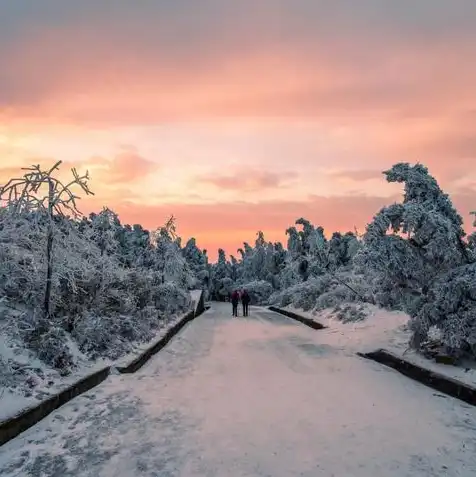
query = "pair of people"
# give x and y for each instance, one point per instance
(245, 301)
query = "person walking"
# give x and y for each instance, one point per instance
(245, 301)
(235, 298)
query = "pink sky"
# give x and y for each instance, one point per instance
(235, 117)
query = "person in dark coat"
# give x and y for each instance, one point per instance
(245, 301)
(235, 298)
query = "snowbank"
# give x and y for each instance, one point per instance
(32, 381)
(26, 380)
(15, 401)
(196, 294)
(18, 419)
(466, 375)
(381, 329)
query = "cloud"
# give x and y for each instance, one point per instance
(339, 92)
(111, 180)
(357, 175)
(126, 167)
(460, 146)
(10, 170)
(291, 58)
(250, 180)
(7, 173)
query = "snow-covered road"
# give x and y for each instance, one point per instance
(255, 396)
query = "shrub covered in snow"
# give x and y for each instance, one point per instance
(326, 291)
(302, 295)
(113, 336)
(103, 305)
(259, 291)
(472, 246)
(168, 298)
(350, 312)
(450, 307)
(19, 377)
(344, 287)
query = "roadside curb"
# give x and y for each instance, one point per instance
(12, 427)
(142, 358)
(306, 321)
(432, 379)
(137, 362)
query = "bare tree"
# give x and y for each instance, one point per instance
(39, 191)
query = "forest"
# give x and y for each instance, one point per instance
(414, 256)
(75, 287)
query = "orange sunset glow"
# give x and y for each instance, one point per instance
(241, 116)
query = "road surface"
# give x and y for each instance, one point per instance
(256, 396)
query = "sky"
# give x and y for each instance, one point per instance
(241, 116)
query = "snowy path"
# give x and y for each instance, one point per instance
(253, 396)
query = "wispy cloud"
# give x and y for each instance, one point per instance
(295, 58)
(356, 174)
(248, 179)
(127, 166)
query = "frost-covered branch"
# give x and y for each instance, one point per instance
(27, 195)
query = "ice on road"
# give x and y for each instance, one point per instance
(256, 396)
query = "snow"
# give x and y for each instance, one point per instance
(255, 396)
(140, 348)
(381, 329)
(111, 288)
(196, 294)
(464, 375)
(12, 403)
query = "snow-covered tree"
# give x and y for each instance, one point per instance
(169, 259)
(472, 240)
(234, 269)
(258, 257)
(106, 286)
(450, 307)
(415, 254)
(294, 242)
(342, 249)
(40, 192)
(102, 227)
(246, 263)
(309, 255)
(197, 261)
(409, 244)
(221, 282)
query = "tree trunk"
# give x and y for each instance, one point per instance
(49, 251)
